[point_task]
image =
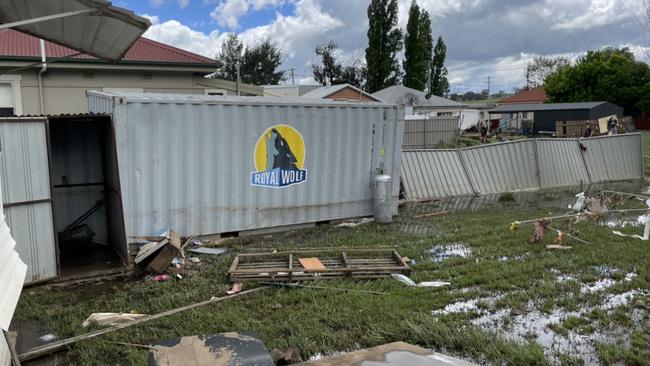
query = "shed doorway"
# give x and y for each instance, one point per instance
(87, 203)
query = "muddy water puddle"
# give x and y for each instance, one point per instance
(439, 253)
(548, 329)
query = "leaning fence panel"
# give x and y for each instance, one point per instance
(434, 174)
(430, 133)
(561, 163)
(502, 167)
(615, 157)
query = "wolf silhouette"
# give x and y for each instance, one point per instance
(278, 152)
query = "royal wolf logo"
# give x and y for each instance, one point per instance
(279, 158)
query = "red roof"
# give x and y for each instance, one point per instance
(17, 44)
(534, 95)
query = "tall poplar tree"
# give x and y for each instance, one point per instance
(384, 42)
(439, 84)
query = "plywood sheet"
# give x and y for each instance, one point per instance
(312, 264)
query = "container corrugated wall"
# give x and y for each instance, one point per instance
(429, 133)
(521, 165)
(186, 162)
(502, 167)
(439, 173)
(26, 192)
(561, 163)
(614, 157)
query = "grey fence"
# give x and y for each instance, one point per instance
(429, 133)
(520, 165)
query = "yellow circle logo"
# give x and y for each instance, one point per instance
(279, 145)
(279, 158)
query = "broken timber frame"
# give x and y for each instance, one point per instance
(339, 263)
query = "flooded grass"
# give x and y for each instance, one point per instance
(509, 303)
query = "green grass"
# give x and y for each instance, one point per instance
(322, 321)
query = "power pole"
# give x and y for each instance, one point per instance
(489, 79)
(293, 82)
(238, 80)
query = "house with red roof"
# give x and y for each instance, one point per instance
(519, 120)
(535, 95)
(29, 86)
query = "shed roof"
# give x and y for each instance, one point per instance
(399, 94)
(14, 44)
(534, 95)
(326, 91)
(536, 107)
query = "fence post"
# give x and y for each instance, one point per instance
(462, 163)
(539, 177)
(584, 162)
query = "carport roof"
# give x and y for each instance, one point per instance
(536, 107)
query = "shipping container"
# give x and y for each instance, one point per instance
(80, 188)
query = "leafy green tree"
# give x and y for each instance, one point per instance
(418, 45)
(541, 67)
(609, 74)
(384, 42)
(260, 64)
(439, 85)
(232, 50)
(331, 71)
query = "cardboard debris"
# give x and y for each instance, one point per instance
(157, 255)
(312, 264)
(111, 318)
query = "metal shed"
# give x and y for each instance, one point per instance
(206, 164)
(546, 114)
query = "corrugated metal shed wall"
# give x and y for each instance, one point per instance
(187, 163)
(25, 177)
(615, 157)
(434, 174)
(560, 163)
(429, 133)
(512, 166)
(502, 167)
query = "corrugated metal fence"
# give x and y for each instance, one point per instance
(429, 133)
(520, 165)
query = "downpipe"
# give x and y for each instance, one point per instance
(40, 78)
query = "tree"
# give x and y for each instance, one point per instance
(418, 45)
(384, 42)
(541, 67)
(439, 85)
(332, 71)
(231, 54)
(260, 63)
(609, 74)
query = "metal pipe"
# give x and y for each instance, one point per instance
(47, 17)
(40, 78)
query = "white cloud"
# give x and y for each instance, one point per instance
(156, 3)
(183, 3)
(228, 12)
(179, 35)
(260, 4)
(586, 14)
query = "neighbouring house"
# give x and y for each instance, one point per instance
(531, 96)
(341, 92)
(541, 118)
(288, 90)
(29, 87)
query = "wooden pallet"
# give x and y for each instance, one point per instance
(339, 263)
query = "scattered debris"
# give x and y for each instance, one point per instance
(409, 282)
(232, 348)
(194, 259)
(165, 250)
(111, 318)
(160, 278)
(438, 213)
(580, 203)
(236, 287)
(336, 263)
(205, 250)
(558, 247)
(65, 343)
(363, 221)
(312, 264)
(47, 337)
(540, 226)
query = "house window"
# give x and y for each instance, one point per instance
(445, 114)
(10, 96)
(215, 92)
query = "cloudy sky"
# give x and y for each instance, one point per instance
(484, 38)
